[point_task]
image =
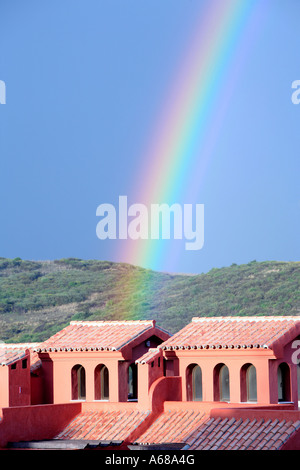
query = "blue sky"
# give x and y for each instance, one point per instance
(85, 82)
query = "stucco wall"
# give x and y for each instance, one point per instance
(35, 422)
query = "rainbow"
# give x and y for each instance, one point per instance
(180, 147)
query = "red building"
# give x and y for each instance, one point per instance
(15, 389)
(219, 383)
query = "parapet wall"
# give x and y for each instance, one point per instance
(27, 423)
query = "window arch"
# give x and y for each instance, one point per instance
(132, 382)
(283, 381)
(194, 382)
(101, 382)
(221, 383)
(248, 383)
(78, 382)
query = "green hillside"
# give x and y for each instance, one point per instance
(39, 298)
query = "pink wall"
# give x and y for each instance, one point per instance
(57, 371)
(15, 387)
(4, 388)
(37, 397)
(35, 422)
(57, 367)
(19, 383)
(265, 362)
(164, 389)
(147, 375)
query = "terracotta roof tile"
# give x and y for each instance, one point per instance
(8, 356)
(232, 332)
(172, 426)
(241, 434)
(95, 335)
(12, 352)
(149, 356)
(103, 425)
(194, 437)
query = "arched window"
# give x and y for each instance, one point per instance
(283, 380)
(194, 382)
(224, 384)
(221, 383)
(101, 382)
(78, 382)
(132, 382)
(248, 383)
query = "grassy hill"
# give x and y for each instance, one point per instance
(37, 299)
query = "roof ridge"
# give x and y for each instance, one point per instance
(18, 345)
(112, 322)
(247, 318)
(96, 335)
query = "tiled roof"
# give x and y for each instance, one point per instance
(149, 356)
(12, 352)
(197, 430)
(241, 434)
(233, 332)
(95, 335)
(103, 425)
(172, 426)
(9, 355)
